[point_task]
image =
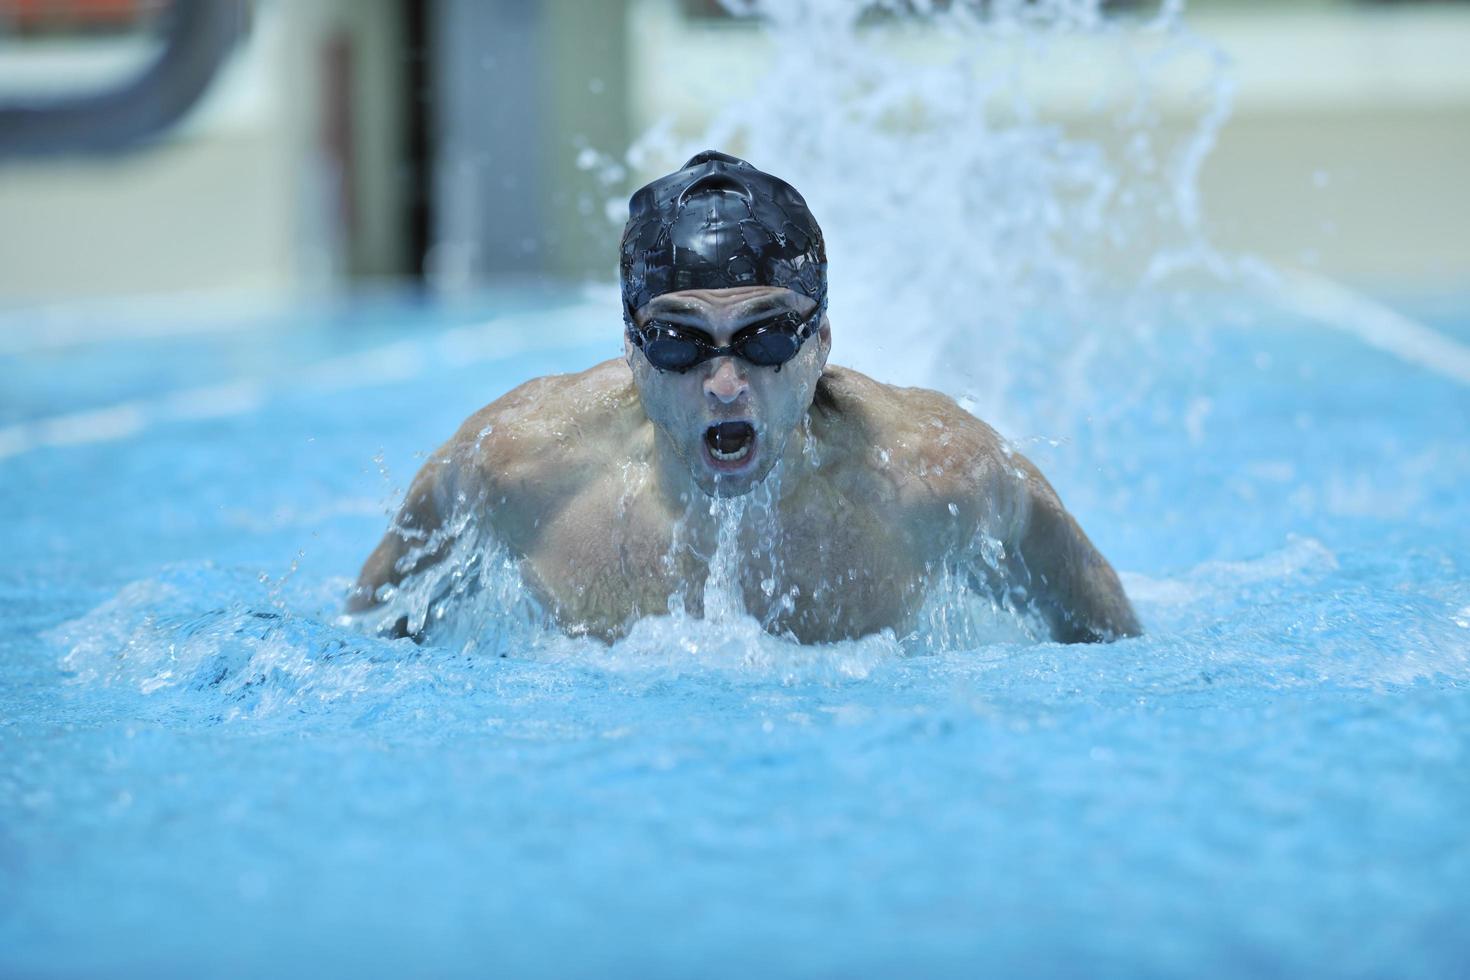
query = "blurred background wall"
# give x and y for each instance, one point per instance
(347, 144)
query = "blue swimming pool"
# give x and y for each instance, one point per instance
(203, 772)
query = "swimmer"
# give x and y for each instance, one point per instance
(599, 484)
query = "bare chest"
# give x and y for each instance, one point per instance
(820, 570)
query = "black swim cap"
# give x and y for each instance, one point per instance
(720, 222)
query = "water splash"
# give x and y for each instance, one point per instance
(215, 646)
(1001, 198)
(474, 599)
(724, 595)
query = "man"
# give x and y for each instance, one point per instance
(627, 489)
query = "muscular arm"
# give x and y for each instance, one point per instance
(1067, 579)
(409, 545)
(959, 476)
(496, 455)
(419, 536)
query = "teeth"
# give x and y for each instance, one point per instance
(740, 453)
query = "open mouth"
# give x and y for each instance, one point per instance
(729, 443)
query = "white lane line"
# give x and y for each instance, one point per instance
(1333, 305)
(404, 360)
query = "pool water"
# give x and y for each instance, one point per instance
(203, 771)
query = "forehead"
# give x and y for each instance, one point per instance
(737, 301)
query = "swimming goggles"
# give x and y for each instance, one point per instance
(769, 343)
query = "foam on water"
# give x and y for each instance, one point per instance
(220, 646)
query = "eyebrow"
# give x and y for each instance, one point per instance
(676, 307)
(751, 310)
(768, 304)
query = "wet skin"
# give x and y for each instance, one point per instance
(601, 484)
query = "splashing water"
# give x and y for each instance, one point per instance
(980, 211)
(724, 598)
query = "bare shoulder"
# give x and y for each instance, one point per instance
(924, 430)
(548, 431)
(914, 449)
(514, 459)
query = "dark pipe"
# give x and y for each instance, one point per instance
(198, 36)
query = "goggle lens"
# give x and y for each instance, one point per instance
(669, 347)
(770, 347)
(671, 351)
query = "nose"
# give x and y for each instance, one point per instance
(727, 382)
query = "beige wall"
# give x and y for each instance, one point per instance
(1348, 148)
(239, 196)
(190, 215)
(1376, 197)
